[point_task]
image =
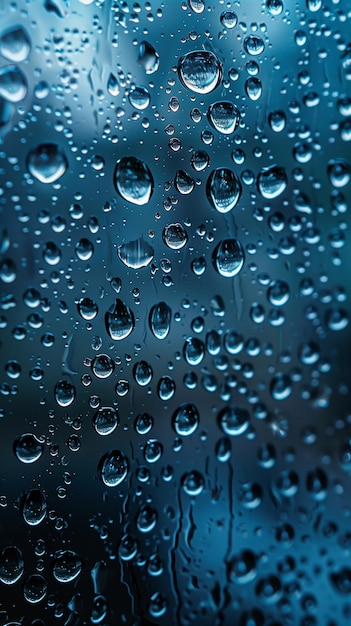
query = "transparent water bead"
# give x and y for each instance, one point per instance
(224, 117)
(233, 420)
(113, 468)
(185, 419)
(34, 507)
(228, 257)
(13, 84)
(105, 420)
(136, 254)
(200, 71)
(11, 565)
(15, 44)
(223, 189)
(47, 162)
(102, 366)
(133, 180)
(175, 236)
(119, 321)
(28, 448)
(160, 320)
(148, 57)
(67, 566)
(64, 393)
(272, 181)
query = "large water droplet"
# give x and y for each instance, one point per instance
(160, 320)
(13, 84)
(133, 180)
(64, 393)
(193, 483)
(272, 181)
(119, 321)
(253, 45)
(200, 71)
(233, 420)
(67, 566)
(223, 189)
(47, 162)
(11, 565)
(228, 257)
(136, 254)
(15, 44)
(105, 420)
(28, 448)
(113, 468)
(224, 117)
(139, 97)
(185, 419)
(193, 351)
(35, 588)
(143, 373)
(33, 507)
(175, 236)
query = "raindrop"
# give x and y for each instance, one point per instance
(185, 419)
(175, 236)
(67, 566)
(224, 117)
(200, 71)
(64, 393)
(253, 45)
(281, 387)
(153, 451)
(11, 565)
(183, 182)
(253, 88)
(242, 567)
(35, 588)
(102, 366)
(317, 484)
(233, 421)
(142, 372)
(146, 519)
(128, 548)
(277, 121)
(33, 507)
(139, 98)
(336, 319)
(84, 249)
(278, 293)
(143, 423)
(87, 309)
(250, 495)
(47, 162)
(275, 7)
(160, 320)
(119, 321)
(15, 44)
(223, 189)
(13, 84)
(105, 420)
(136, 254)
(133, 180)
(166, 388)
(339, 172)
(28, 448)
(193, 483)
(112, 85)
(51, 253)
(193, 351)
(113, 468)
(272, 181)
(228, 258)
(229, 19)
(148, 57)
(200, 160)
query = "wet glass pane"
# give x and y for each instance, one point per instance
(174, 282)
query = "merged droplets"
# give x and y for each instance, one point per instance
(119, 321)
(224, 117)
(136, 254)
(228, 258)
(113, 468)
(28, 448)
(15, 44)
(47, 162)
(11, 565)
(133, 180)
(223, 189)
(185, 419)
(200, 71)
(13, 84)
(105, 420)
(67, 566)
(272, 181)
(160, 320)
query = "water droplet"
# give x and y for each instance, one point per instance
(128, 548)
(113, 468)
(269, 589)
(223, 189)
(166, 388)
(200, 71)
(15, 44)
(183, 182)
(105, 420)
(35, 588)
(153, 450)
(341, 580)
(102, 366)
(277, 121)
(185, 419)
(146, 519)
(143, 423)
(233, 421)
(136, 254)
(13, 84)
(139, 98)
(51, 253)
(33, 507)
(339, 172)
(254, 45)
(87, 309)
(84, 249)
(11, 565)
(119, 321)
(200, 160)
(65, 393)
(317, 484)
(228, 258)
(67, 566)
(175, 236)
(229, 19)
(133, 180)
(28, 448)
(253, 88)
(224, 117)
(242, 567)
(281, 387)
(250, 495)
(336, 319)
(148, 57)
(275, 7)
(112, 85)
(143, 373)
(193, 483)
(193, 351)
(272, 181)
(160, 320)
(47, 162)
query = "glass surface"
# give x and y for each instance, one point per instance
(175, 340)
